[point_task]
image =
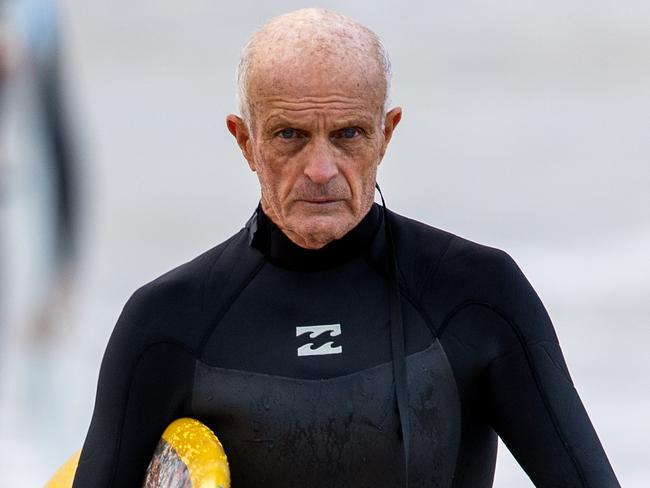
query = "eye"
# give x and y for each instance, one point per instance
(288, 133)
(347, 133)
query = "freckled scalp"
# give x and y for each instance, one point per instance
(312, 43)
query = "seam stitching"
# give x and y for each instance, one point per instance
(226, 306)
(527, 354)
(404, 292)
(432, 275)
(421, 311)
(209, 273)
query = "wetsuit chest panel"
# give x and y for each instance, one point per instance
(311, 325)
(343, 431)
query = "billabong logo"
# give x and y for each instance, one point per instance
(314, 331)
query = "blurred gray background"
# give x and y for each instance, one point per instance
(526, 127)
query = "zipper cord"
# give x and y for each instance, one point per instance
(397, 342)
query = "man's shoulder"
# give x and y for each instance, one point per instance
(430, 254)
(183, 285)
(446, 273)
(424, 241)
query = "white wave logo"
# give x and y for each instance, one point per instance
(315, 331)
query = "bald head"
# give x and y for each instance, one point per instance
(292, 50)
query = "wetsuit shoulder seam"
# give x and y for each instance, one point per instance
(404, 292)
(433, 273)
(134, 368)
(455, 311)
(226, 306)
(527, 354)
(207, 276)
(421, 311)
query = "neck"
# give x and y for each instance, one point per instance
(308, 240)
(280, 249)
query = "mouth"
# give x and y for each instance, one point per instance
(324, 200)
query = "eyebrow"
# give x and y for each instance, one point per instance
(275, 122)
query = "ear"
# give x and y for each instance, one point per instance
(393, 118)
(238, 128)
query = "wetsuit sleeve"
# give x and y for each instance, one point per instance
(144, 384)
(535, 408)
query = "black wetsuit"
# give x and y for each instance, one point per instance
(230, 339)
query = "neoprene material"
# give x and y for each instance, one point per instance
(216, 339)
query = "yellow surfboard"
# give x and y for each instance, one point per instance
(188, 455)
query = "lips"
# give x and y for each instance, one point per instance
(320, 200)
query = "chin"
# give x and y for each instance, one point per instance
(317, 231)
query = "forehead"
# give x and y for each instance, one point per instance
(298, 84)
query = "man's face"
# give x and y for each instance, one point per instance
(315, 142)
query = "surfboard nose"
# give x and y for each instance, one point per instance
(189, 455)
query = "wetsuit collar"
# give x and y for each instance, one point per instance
(280, 250)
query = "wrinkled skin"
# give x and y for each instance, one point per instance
(316, 138)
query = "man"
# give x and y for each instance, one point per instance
(331, 342)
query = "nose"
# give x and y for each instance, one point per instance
(321, 163)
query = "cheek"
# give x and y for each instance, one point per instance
(273, 171)
(361, 167)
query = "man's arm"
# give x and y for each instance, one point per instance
(538, 414)
(534, 406)
(144, 384)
